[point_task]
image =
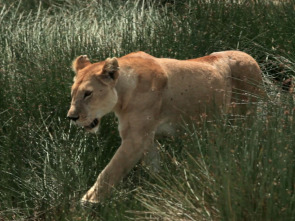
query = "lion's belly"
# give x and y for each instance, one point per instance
(166, 129)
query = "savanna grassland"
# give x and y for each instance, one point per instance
(241, 169)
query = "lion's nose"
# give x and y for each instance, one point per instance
(73, 118)
(72, 114)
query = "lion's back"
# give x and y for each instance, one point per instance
(211, 82)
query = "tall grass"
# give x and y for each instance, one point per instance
(217, 171)
(229, 172)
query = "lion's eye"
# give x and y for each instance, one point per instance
(87, 94)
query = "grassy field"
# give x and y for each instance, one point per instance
(222, 170)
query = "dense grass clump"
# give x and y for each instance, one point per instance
(241, 170)
(220, 170)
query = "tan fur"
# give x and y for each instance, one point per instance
(150, 95)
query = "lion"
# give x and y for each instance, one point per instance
(150, 96)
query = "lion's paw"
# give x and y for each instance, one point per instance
(90, 197)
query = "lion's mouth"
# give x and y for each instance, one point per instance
(94, 123)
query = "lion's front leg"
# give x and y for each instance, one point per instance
(128, 154)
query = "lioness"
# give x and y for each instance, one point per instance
(150, 95)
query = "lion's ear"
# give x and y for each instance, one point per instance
(111, 68)
(80, 63)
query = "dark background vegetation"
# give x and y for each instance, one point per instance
(223, 170)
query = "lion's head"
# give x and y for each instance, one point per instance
(93, 92)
